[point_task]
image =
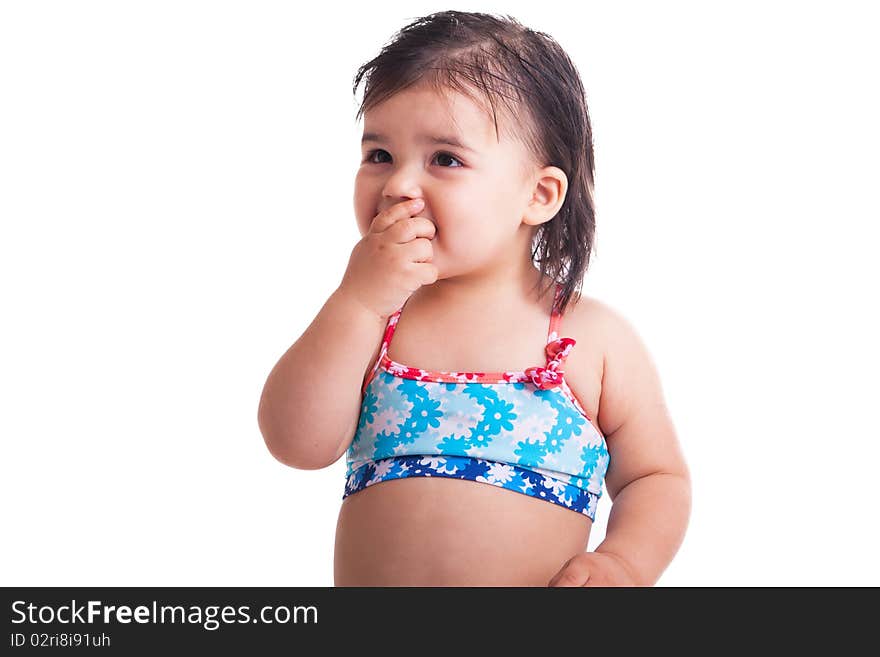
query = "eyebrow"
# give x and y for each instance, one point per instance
(431, 139)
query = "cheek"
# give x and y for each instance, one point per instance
(466, 236)
(364, 207)
(363, 223)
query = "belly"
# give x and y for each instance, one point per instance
(433, 531)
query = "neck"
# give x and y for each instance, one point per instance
(504, 284)
(496, 284)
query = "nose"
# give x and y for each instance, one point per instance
(401, 185)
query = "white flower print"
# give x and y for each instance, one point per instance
(433, 462)
(499, 473)
(598, 474)
(460, 412)
(396, 369)
(557, 486)
(388, 420)
(382, 468)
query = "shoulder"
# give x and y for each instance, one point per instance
(599, 323)
(586, 314)
(629, 379)
(632, 412)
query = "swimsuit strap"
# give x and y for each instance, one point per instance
(386, 340)
(389, 329)
(555, 317)
(557, 350)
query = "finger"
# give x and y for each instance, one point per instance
(395, 213)
(427, 273)
(409, 228)
(572, 575)
(420, 250)
(555, 579)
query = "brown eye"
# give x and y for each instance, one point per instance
(369, 157)
(451, 157)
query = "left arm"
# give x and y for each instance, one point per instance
(647, 480)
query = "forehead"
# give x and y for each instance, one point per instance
(422, 109)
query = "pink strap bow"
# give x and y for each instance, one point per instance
(550, 376)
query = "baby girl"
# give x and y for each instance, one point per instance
(481, 401)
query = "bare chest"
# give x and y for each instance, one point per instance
(503, 344)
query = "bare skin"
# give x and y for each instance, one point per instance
(462, 261)
(423, 531)
(476, 312)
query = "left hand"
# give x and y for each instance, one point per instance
(593, 569)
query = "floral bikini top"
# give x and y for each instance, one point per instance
(523, 431)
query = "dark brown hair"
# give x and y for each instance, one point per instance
(538, 85)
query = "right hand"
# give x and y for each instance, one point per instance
(392, 260)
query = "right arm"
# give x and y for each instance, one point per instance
(311, 401)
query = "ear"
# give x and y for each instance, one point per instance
(550, 185)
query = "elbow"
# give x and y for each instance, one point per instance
(297, 446)
(299, 461)
(287, 450)
(292, 451)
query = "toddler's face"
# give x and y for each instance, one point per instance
(474, 193)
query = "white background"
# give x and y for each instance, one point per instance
(176, 183)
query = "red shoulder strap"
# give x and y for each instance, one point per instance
(555, 317)
(386, 341)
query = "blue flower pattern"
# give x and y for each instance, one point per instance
(508, 434)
